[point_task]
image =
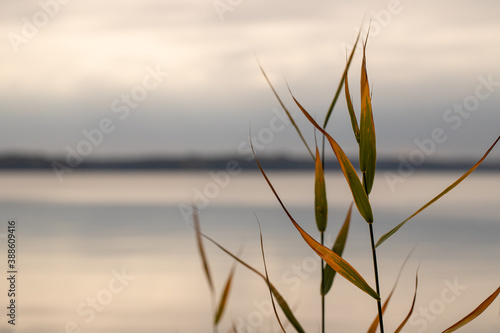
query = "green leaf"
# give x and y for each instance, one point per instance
(225, 294)
(367, 147)
(352, 114)
(331, 258)
(338, 248)
(281, 301)
(320, 201)
(357, 189)
(473, 315)
(286, 310)
(448, 189)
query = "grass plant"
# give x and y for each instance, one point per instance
(360, 183)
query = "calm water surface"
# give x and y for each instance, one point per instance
(114, 252)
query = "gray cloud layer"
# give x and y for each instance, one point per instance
(63, 77)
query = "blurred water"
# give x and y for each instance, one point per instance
(114, 252)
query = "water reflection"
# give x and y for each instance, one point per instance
(74, 236)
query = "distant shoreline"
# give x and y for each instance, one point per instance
(9, 163)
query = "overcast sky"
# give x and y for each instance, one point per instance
(134, 78)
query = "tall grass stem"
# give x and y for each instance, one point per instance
(375, 267)
(322, 284)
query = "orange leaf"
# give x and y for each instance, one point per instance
(357, 189)
(471, 316)
(331, 258)
(448, 189)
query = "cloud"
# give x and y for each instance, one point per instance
(422, 58)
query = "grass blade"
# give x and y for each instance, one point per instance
(471, 316)
(199, 241)
(339, 88)
(286, 110)
(367, 146)
(448, 189)
(281, 301)
(400, 327)
(341, 83)
(376, 321)
(338, 248)
(286, 310)
(357, 189)
(352, 114)
(320, 201)
(267, 278)
(224, 297)
(331, 258)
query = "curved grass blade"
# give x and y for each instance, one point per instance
(367, 146)
(448, 189)
(341, 83)
(320, 201)
(281, 301)
(376, 321)
(199, 241)
(471, 316)
(352, 114)
(338, 248)
(357, 189)
(339, 88)
(331, 258)
(286, 110)
(267, 278)
(400, 327)
(224, 297)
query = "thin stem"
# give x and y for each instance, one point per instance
(375, 267)
(322, 285)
